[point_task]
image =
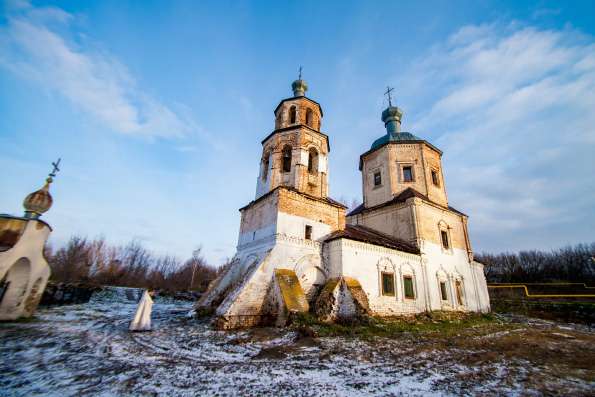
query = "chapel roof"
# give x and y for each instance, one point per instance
(370, 236)
(401, 198)
(394, 137)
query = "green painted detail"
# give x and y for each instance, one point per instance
(394, 137)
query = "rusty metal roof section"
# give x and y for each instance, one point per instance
(370, 236)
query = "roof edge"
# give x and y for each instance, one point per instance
(328, 200)
(361, 157)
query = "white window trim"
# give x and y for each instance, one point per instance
(405, 298)
(385, 265)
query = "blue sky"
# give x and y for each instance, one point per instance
(158, 109)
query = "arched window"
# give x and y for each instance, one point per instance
(312, 160)
(445, 240)
(309, 118)
(265, 166)
(286, 154)
(292, 115)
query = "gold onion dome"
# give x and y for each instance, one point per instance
(38, 202)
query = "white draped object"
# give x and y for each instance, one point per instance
(142, 317)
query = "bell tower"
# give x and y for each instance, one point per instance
(295, 154)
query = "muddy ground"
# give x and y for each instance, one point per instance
(86, 350)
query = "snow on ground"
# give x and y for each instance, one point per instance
(87, 349)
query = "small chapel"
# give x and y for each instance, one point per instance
(403, 250)
(24, 271)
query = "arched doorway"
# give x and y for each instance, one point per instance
(310, 275)
(14, 286)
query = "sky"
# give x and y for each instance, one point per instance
(158, 110)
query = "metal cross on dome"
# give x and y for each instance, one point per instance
(300, 76)
(56, 165)
(387, 93)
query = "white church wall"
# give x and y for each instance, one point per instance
(450, 266)
(293, 225)
(365, 262)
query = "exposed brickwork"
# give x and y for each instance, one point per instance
(294, 203)
(260, 214)
(302, 105)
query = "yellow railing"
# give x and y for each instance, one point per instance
(583, 284)
(524, 286)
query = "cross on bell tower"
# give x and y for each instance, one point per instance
(388, 92)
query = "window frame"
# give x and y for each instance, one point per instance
(445, 239)
(308, 232)
(459, 292)
(412, 280)
(435, 177)
(379, 174)
(412, 174)
(384, 274)
(443, 290)
(313, 160)
(266, 163)
(309, 118)
(286, 158)
(292, 116)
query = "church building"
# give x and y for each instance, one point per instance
(404, 250)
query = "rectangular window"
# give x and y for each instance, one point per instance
(443, 291)
(308, 232)
(408, 174)
(408, 284)
(444, 236)
(388, 284)
(435, 179)
(459, 288)
(377, 178)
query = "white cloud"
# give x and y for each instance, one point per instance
(36, 44)
(512, 108)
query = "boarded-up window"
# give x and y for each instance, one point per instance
(292, 113)
(308, 233)
(388, 284)
(407, 174)
(409, 290)
(444, 237)
(286, 158)
(443, 291)
(377, 178)
(459, 289)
